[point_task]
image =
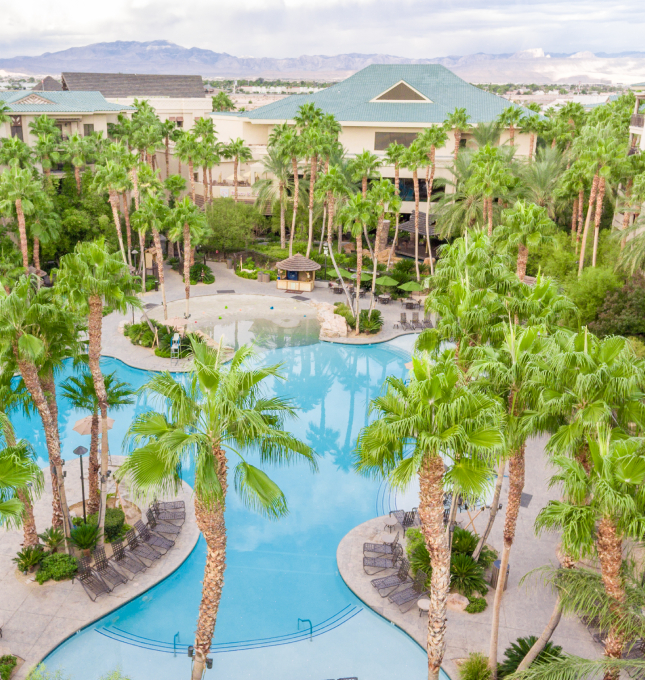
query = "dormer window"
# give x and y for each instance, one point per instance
(402, 93)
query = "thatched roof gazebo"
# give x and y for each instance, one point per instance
(297, 273)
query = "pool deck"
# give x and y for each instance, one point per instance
(36, 619)
(525, 609)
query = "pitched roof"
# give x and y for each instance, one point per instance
(28, 101)
(409, 225)
(135, 85)
(48, 84)
(298, 263)
(353, 98)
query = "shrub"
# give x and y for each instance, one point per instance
(464, 541)
(201, 272)
(476, 605)
(7, 664)
(418, 554)
(85, 536)
(514, 654)
(114, 523)
(52, 538)
(467, 576)
(29, 558)
(623, 311)
(230, 225)
(57, 566)
(368, 325)
(487, 556)
(589, 291)
(475, 667)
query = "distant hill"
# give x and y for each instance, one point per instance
(162, 56)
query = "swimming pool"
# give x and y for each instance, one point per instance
(277, 572)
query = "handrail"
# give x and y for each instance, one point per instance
(175, 640)
(637, 120)
(311, 628)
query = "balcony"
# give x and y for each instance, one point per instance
(637, 120)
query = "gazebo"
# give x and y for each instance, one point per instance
(297, 273)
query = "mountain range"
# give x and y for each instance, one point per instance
(162, 56)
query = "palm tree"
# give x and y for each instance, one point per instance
(436, 416)
(18, 193)
(313, 145)
(415, 157)
(291, 142)
(166, 128)
(524, 226)
(222, 102)
(273, 190)
(487, 133)
(15, 153)
(394, 155)
(188, 223)
(110, 178)
(240, 153)
(457, 120)
(75, 150)
(363, 168)
(511, 117)
(44, 227)
(91, 278)
(47, 151)
(219, 411)
(81, 393)
(541, 178)
(531, 125)
(186, 149)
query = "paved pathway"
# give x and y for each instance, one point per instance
(36, 619)
(525, 609)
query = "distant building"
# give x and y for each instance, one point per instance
(119, 85)
(48, 84)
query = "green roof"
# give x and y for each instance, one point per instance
(351, 99)
(59, 102)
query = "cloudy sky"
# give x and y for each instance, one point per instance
(287, 28)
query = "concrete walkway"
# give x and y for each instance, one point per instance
(525, 609)
(36, 619)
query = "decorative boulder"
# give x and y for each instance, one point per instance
(457, 602)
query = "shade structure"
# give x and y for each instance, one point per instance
(298, 263)
(84, 425)
(410, 286)
(386, 281)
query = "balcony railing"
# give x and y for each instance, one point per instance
(638, 120)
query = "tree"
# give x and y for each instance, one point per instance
(510, 118)
(291, 142)
(541, 179)
(187, 222)
(240, 153)
(111, 178)
(15, 153)
(415, 158)
(46, 150)
(532, 125)
(186, 150)
(273, 190)
(166, 128)
(435, 416)
(45, 226)
(312, 143)
(220, 411)
(91, 278)
(395, 155)
(457, 120)
(18, 192)
(222, 102)
(81, 393)
(75, 151)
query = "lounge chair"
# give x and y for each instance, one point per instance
(383, 562)
(405, 519)
(393, 581)
(412, 594)
(154, 540)
(92, 583)
(427, 321)
(105, 570)
(170, 505)
(382, 548)
(161, 527)
(139, 548)
(404, 322)
(126, 560)
(416, 324)
(168, 515)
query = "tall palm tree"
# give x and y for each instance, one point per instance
(220, 411)
(91, 278)
(110, 178)
(363, 168)
(458, 121)
(415, 158)
(16, 153)
(291, 142)
(273, 190)
(394, 155)
(45, 226)
(75, 150)
(313, 145)
(186, 149)
(541, 178)
(437, 416)
(81, 393)
(240, 153)
(47, 151)
(166, 128)
(532, 125)
(511, 118)
(487, 133)
(188, 223)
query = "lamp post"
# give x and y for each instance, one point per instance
(326, 251)
(80, 451)
(135, 252)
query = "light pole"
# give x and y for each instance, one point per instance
(135, 252)
(80, 451)
(326, 251)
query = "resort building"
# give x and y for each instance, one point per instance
(376, 106)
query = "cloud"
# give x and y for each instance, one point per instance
(286, 28)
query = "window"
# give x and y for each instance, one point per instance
(401, 92)
(16, 127)
(406, 189)
(88, 129)
(383, 139)
(196, 176)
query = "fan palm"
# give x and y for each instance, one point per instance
(363, 168)
(111, 178)
(218, 412)
(75, 150)
(47, 151)
(458, 121)
(540, 179)
(275, 189)
(415, 158)
(510, 118)
(237, 150)
(186, 149)
(15, 153)
(394, 155)
(487, 133)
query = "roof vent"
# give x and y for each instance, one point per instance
(401, 92)
(33, 99)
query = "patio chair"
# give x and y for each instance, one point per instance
(382, 562)
(161, 527)
(126, 560)
(404, 322)
(105, 570)
(416, 324)
(168, 515)
(139, 548)
(361, 293)
(382, 548)
(154, 540)
(92, 583)
(427, 321)
(410, 595)
(170, 505)
(406, 519)
(393, 581)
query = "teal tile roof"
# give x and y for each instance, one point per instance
(350, 100)
(61, 102)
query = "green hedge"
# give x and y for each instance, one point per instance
(114, 523)
(7, 664)
(57, 566)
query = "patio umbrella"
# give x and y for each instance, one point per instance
(84, 425)
(410, 286)
(344, 273)
(364, 276)
(386, 281)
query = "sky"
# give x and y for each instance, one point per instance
(290, 28)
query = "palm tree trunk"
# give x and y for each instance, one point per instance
(162, 285)
(323, 227)
(581, 209)
(516, 485)
(94, 498)
(192, 179)
(142, 259)
(332, 207)
(494, 506)
(598, 216)
(36, 253)
(117, 221)
(511, 131)
(235, 178)
(490, 216)
(94, 330)
(128, 230)
(484, 208)
(205, 184)
(312, 183)
(377, 243)
(574, 220)
(135, 187)
(397, 191)
(167, 145)
(522, 260)
(592, 200)
(431, 514)
(77, 176)
(187, 252)
(29, 531)
(628, 193)
(415, 179)
(359, 271)
(428, 191)
(457, 142)
(22, 230)
(296, 188)
(531, 143)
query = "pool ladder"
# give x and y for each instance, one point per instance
(311, 628)
(175, 640)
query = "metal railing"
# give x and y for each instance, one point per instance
(638, 120)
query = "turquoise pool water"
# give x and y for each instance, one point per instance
(277, 572)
